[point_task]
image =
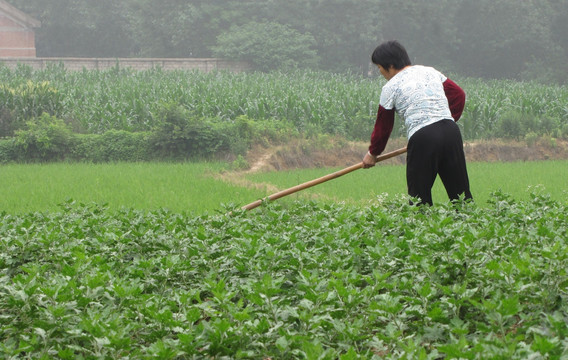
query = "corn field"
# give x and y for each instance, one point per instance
(312, 102)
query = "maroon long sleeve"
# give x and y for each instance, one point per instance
(382, 130)
(456, 98)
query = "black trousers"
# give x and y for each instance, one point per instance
(437, 149)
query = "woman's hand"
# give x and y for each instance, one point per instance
(369, 161)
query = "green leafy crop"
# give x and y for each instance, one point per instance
(310, 281)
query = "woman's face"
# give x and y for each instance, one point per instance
(387, 74)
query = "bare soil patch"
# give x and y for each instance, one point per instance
(340, 153)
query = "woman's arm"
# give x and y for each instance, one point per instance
(382, 130)
(456, 98)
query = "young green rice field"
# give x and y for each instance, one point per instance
(178, 187)
(196, 188)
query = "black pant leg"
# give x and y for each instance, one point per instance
(453, 169)
(422, 165)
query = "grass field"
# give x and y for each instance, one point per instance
(193, 188)
(177, 187)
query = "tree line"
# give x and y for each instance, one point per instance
(483, 38)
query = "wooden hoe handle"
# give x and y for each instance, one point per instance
(320, 180)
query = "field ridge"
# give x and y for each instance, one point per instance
(306, 154)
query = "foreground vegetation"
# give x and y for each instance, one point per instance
(312, 281)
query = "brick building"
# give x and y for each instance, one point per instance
(17, 37)
(17, 46)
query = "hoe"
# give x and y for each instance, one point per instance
(320, 180)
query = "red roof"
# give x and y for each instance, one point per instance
(18, 15)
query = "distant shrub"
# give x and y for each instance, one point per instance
(113, 145)
(180, 136)
(531, 138)
(514, 124)
(563, 131)
(8, 150)
(183, 136)
(549, 124)
(239, 134)
(240, 163)
(44, 138)
(509, 127)
(7, 122)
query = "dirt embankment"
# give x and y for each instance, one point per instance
(340, 153)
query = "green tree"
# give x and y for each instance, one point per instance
(424, 27)
(160, 28)
(268, 46)
(559, 30)
(345, 31)
(501, 38)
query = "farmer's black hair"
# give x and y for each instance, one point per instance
(391, 53)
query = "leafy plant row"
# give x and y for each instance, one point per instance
(179, 137)
(311, 102)
(315, 282)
